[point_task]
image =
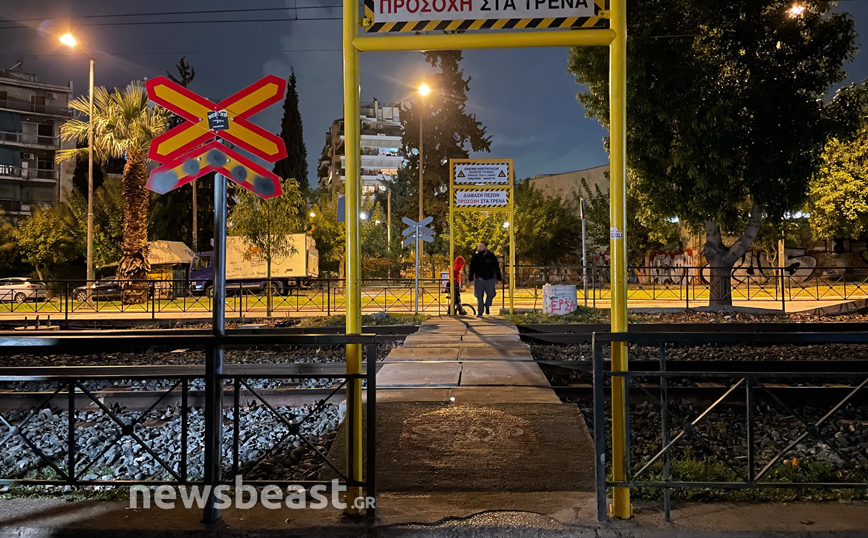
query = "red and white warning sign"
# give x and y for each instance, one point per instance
(435, 10)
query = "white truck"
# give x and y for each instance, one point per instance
(246, 268)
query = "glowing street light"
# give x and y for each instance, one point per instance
(423, 91)
(363, 215)
(796, 10)
(68, 39)
(312, 214)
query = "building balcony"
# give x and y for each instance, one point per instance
(29, 140)
(32, 174)
(14, 207)
(33, 108)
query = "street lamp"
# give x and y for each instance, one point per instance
(312, 214)
(423, 91)
(70, 41)
(796, 10)
(363, 215)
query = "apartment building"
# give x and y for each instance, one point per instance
(381, 134)
(31, 113)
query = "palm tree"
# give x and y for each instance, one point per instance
(124, 123)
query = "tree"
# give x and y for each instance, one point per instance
(546, 229)
(267, 225)
(329, 235)
(646, 230)
(450, 132)
(838, 194)
(79, 175)
(8, 243)
(186, 73)
(725, 111)
(45, 240)
(292, 132)
(124, 125)
(177, 214)
(108, 212)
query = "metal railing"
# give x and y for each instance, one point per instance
(316, 296)
(27, 138)
(27, 106)
(692, 284)
(27, 173)
(327, 296)
(71, 458)
(749, 393)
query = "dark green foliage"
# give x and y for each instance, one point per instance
(291, 130)
(449, 132)
(724, 102)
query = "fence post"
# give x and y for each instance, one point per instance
(329, 296)
(783, 293)
(153, 289)
(371, 445)
(599, 427)
(664, 422)
(594, 284)
(687, 289)
(70, 441)
(66, 301)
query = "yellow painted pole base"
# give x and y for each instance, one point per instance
(621, 507)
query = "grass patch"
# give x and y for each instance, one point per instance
(710, 469)
(582, 315)
(371, 320)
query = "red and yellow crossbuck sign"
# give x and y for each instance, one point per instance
(191, 150)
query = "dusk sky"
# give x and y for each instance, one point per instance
(524, 96)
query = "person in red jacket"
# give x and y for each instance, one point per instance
(457, 267)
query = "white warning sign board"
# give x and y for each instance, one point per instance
(481, 198)
(386, 11)
(482, 173)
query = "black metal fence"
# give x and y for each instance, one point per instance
(319, 296)
(694, 284)
(682, 285)
(68, 458)
(742, 401)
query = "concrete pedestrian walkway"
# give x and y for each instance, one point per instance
(462, 406)
(466, 361)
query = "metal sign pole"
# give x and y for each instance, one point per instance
(214, 359)
(584, 251)
(452, 283)
(418, 242)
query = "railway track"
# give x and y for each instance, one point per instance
(791, 381)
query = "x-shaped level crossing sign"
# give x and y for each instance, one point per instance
(192, 149)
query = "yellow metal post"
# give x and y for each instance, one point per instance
(352, 199)
(511, 239)
(451, 239)
(621, 507)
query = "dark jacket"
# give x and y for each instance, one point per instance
(484, 265)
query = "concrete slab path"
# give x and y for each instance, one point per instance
(451, 359)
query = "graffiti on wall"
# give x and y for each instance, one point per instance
(760, 265)
(670, 267)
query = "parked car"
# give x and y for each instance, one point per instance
(107, 289)
(22, 289)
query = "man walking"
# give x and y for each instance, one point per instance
(484, 274)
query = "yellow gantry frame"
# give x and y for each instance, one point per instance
(615, 37)
(510, 208)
